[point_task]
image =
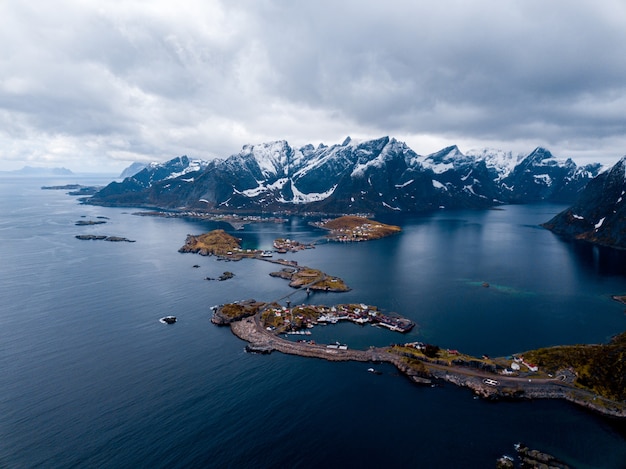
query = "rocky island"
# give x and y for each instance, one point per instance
(312, 279)
(89, 222)
(75, 189)
(216, 242)
(530, 458)
(225, 246)
(104, 238)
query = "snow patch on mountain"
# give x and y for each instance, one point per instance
(271, 157)
(262, 187)
(543, 179)
(401, 186)
(500, 161)
(302, 198)
(194, 165)
(397, 209)
(443, 160)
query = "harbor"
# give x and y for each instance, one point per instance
(299, 318)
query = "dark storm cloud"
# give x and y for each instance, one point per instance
(87, 83)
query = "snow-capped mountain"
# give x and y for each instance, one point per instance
(599, 214)
(540, 176)
(379, 175)
(125, 193)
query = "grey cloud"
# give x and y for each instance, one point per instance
(407, 61)
(137, 80)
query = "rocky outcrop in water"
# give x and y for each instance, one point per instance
(104, 238)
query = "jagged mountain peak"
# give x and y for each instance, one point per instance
(500, 161)
(620, 165)
(275, 146)
(539, 155)
(176, 167)
(270, 158)
(616, 175)
(446, 153)
(446, 159)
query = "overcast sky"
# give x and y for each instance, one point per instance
(96, 85)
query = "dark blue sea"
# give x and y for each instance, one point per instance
(89, 377)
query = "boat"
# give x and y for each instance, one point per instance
(374, 371)
(267, 254)
(168, 320)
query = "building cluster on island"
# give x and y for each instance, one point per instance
(355, 229)
(282, 245)
(507, 366)
(298, 318)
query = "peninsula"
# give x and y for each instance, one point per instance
(353, 229)
(422, 363)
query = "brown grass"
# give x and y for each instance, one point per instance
(216, 242)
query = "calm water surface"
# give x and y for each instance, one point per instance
(90, 378)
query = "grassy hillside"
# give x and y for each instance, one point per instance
(216, 242)
(600, 368)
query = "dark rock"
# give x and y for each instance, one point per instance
(104, 238)
(225, 276)
(261, 349)
(89, 222)
(91, 237)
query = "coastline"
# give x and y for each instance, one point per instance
(261, 341)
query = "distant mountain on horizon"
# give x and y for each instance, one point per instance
(599, 213)
(133, 169)
(375, 176)
(40, 171)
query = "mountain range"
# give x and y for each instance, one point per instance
(374, 176)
